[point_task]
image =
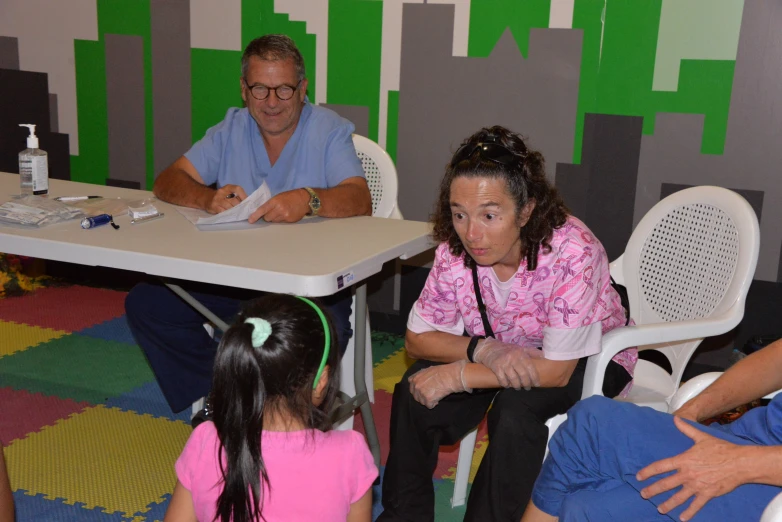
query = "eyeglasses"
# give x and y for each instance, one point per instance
(491, 151)
(261, 92)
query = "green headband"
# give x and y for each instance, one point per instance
(327, 334)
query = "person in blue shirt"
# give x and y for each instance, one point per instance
(304, 153)
(614, 461)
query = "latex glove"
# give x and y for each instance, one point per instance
(511, 363)
(431, 384)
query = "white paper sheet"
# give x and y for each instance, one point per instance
(240, 212)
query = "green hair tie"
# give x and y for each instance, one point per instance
(327, 335)
(261, 330)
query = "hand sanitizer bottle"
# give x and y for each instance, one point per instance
(33, 166)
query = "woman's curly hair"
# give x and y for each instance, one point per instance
(525, 180)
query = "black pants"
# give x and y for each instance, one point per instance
(517, 434)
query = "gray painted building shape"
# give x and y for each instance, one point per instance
(456, 96)
(753, 145)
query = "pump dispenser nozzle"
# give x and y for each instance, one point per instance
(32, 139)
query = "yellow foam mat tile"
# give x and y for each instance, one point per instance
(103, 457)
(480, 450)
(16, 337)
(389, 371)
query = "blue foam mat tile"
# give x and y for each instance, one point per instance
(156, 511)
(147, 398)
(37, 507)
(112, 330)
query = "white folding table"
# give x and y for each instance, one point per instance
(315, 257)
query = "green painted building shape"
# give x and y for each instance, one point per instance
(618, 63)
(628, 67)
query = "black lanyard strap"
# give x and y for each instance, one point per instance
(481, 307)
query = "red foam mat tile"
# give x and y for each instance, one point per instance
(69, 308)
(23, 412)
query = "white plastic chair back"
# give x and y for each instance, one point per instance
(692, 257)
(687, 268)
(381, 177)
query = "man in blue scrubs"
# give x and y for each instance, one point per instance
(304, 153)
(614, 461)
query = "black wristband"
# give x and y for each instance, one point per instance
(471, 347)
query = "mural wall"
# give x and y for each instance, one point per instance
(628, 100)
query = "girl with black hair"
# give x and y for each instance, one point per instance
(268, 453)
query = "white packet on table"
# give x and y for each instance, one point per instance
(142, 208)
(37, 211)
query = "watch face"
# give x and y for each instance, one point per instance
(314, 202)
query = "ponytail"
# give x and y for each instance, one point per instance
(238, 417)
(269, 359)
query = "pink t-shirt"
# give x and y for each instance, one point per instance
(313, 475)
(564, 306)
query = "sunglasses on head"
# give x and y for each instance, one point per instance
(489, 150)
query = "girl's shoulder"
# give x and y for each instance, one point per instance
(351, 446)
(203, 439)
(344, 439)
(205, 431)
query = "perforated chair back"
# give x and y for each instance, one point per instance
(692, 257)
(381, 177)
(687, 263)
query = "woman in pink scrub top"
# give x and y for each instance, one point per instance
(544, 281)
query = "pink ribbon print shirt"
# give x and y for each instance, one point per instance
(564, 306)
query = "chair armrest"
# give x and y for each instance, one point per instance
(696, 385)
(691, 388)
(639, 335)
(773, 512)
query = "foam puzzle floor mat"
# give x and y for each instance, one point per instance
(88, 435)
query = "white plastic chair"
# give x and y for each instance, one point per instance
(691, 388)
(694, 386)
(381, 177)
(773, 512)
(687, 268)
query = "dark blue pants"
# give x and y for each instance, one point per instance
(178, 348)
(594, 456)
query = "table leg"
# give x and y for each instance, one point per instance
(359, 362)
(192, 301)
